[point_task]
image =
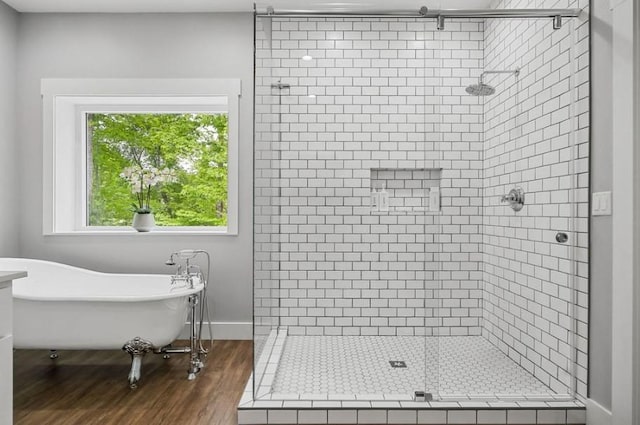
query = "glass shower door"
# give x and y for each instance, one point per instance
(345, 230)
(459, 50)
(267, 239)
(510, 198)
(531, 202)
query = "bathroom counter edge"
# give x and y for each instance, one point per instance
(7, 276)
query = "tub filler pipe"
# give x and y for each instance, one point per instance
(191, 274)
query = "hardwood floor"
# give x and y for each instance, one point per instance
(90, 387)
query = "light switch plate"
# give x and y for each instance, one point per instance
(601, 203)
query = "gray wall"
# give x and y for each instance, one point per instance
(8, 181)
(601, 226)
(137, 46)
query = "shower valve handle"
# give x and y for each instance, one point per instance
(515, 198)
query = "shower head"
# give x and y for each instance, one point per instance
(480, 89)
(484, 89)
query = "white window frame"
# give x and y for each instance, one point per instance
(65, 105)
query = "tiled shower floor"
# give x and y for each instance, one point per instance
(357, 367)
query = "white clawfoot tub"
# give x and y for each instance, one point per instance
(60, 307)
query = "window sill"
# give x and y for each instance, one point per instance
(153, 233)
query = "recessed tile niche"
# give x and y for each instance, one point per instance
(405, 190)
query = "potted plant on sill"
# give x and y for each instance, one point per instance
(142, 181)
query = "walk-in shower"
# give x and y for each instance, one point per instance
(388, 269)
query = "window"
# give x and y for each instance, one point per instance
(172, 163)
(105, 140)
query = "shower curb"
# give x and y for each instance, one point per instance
(344, 416)
(527, 412)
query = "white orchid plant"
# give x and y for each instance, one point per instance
(142, 180)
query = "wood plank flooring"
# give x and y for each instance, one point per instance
(90, 387)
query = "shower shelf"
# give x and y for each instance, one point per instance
(408, 191)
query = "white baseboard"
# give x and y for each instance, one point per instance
(223, 330)
(596, 414)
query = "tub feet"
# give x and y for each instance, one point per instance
(137, 348)
(53, 354)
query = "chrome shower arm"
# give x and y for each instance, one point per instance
(515, 72)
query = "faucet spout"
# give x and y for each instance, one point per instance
(190, 274)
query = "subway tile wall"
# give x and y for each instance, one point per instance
(529, 143)
(382, 94)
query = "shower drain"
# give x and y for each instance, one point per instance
(397, 363)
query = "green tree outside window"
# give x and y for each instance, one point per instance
(193, 146)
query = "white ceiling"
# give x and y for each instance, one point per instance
(184, 6)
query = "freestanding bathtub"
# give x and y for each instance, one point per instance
(60, 307)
